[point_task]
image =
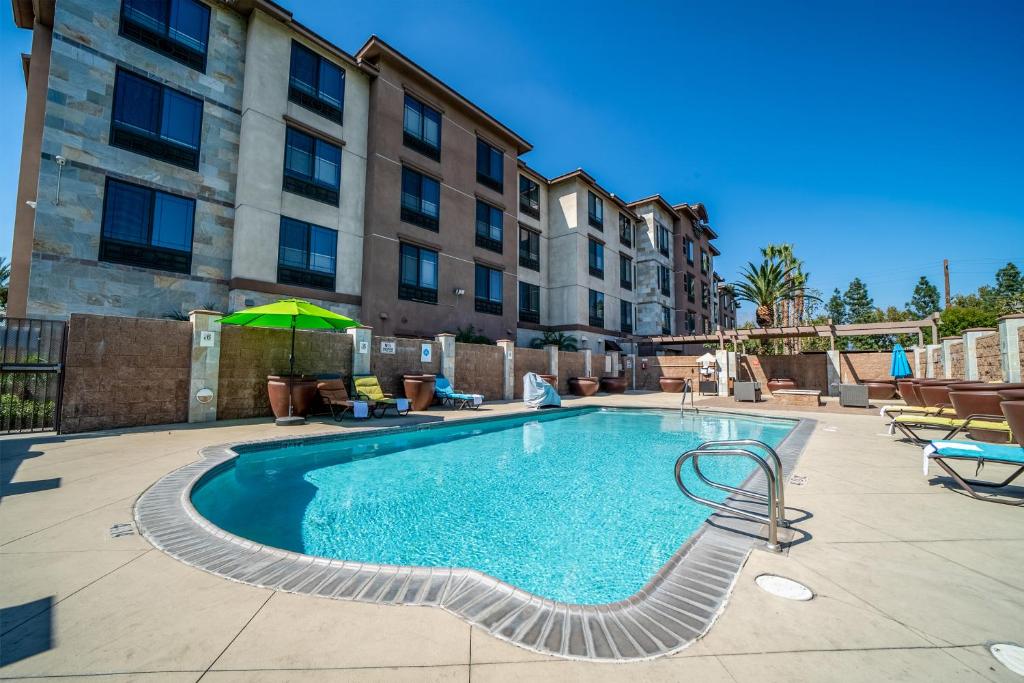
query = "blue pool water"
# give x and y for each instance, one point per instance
(577, 506)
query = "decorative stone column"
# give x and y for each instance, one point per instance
(446, 340)
(918, 365)
(588, 362)
(362, 347)
(930, 359)
(204, 373)
(722, 358)
(971, 349)
(552, 352)
(1010, 327)
(508, 349)
(832, 369)
(614, 365)
(947, 355)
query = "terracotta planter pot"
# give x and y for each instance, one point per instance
(1012, 395)
(671, 385)
(907, 393)
(880, 391)
(967, 403)
(613, 385)
(303, 394)
(1014, 412)
(776, 383)
(419, 389)
(934, 394)
(583, 386)
(550, 379)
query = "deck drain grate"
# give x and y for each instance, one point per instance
(1009, 655)
(782, 587)
(122, 529)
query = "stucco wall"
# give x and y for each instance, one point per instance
(406, 360)
(528, 360)
(479, 369)
(989, 363)
(676, 367)
(125, 372)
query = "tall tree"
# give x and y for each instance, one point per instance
(860, 307)
(765, 286)
(925, 300)
(1009, 281)
(836, 308)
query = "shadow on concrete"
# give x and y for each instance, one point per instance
(13, 452)
(26, 629)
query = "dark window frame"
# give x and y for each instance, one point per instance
(306, 276)
(689, 250)
(418, 292)
(316, 103)
(665, 280)
(417, 141)
(595, 299)
(487, 303)
(131, 253)
(528, 203)
(595, 211)
(625, 321)
(488, 241)
(705, 261)
(162, 42)
(688, 281)
(595, 257)
(418, 216)
(487, 178)
(666, 320)
(625, 230)
(625, 272)
(527, 259)
(529, 314)
(309, 187)
(664, 245)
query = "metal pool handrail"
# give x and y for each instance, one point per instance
(780, 495)
(773, 517)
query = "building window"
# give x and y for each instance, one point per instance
(489, 231)
(179, 29)
(307, 255)
(665, 280)
(490, 166)
(625, 230)
(596, 308)
(529, 303)
(421, 199)
(689, 251)
(529, 197)
(316, 84)
(595, 211)
(488, 290)
(312, 167)
(421, 128)
(705, 262)
(691, 322)
(625, 272)
(666, 320)
(688, 281)
(705, 295)
(147, 228)
(626, 317)
(664, 240)
(417, 274)
(706, 324)
(595, 251)
(156, 121)
(529, 249)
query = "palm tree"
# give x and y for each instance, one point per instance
(564, 342)
(767, 286)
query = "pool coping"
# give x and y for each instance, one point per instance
(675, 608)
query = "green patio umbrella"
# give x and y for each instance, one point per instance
(293, 314)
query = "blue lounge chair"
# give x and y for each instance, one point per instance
(449, 397)
(981, 453)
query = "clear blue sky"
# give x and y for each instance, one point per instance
(879, 137)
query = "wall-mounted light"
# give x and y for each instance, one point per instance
(60, 168)
(31, 203)
(459, 291)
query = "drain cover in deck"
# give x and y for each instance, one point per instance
(782, 587)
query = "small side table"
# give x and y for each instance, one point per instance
(853, 396)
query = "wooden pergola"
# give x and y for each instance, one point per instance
(831, 331)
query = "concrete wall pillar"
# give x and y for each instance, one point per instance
(446, 340)
(552, 352)
(631, 370)
(588, 363)
(918, 367)
(930, 360)
(362, 346)
(722, 359)
(1009, 327)
(616, 364)
(947, 355)
(832, 369)
(204, 372)
(508, 348)
(971, 350)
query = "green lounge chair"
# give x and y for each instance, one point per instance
(367, 388)
(981, 453)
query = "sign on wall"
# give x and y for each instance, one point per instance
(426, 353)
(387, 347)
(206, 338)
(364, 347)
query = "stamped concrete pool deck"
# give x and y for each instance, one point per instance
(911, 579)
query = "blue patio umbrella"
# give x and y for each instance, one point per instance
(900, 366)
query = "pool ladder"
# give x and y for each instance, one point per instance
(687, 389)
(770, 465)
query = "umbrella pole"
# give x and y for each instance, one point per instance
(291, 369)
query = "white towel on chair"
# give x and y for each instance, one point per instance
(402, 404)
(360, 409)
(477, 399)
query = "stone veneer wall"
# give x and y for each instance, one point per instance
(479, 369)
(527, 360)
(956, 361)
(855, 367)
(66, 276)
(990, 366)
(570, 364)
(937, 363)
(1020, 344)
(808, 370)
(125, 372)
(406, 360)
(597, 361)
(248, 355)
(680, 367)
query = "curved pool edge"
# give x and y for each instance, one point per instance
(676, 607)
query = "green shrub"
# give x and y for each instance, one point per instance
(14, 410)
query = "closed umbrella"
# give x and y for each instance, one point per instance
(293, 314)
(900, 366)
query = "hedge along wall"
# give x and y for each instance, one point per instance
(570, 364)
(676, 367)
(125, 372)
(956, 360)
(479, 369)
(248, 355)
(857, 367)
(526, 360)
(406, 360)
(990, 366)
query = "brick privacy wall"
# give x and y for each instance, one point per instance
(990, 365)
(854, 367)
(479, 369)
(956, 360)
(390, 368)
(527, 360)
(937, 363)
(125, 372)
(684, 367)
(248, 355)
(570, 364)
(808, 370)
(597, 361)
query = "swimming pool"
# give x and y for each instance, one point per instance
(576, 506)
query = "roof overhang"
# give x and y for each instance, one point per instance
(589, 180)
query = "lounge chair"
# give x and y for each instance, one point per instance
(443, 390)
(909, 424)
(367, 388)
(981, 453)
(335, 396)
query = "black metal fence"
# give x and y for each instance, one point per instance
(31, 374)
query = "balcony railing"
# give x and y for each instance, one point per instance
(311, 190)
(529, 316)
(597, 272)
(304, 278)
(530, 208)
(488, 306)
(421, 146)
(315, 104)
(488, 181)
(596, 321)
(419, 218)
(531, 262)
(488, 243)
(414, 293)
(145, 256)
